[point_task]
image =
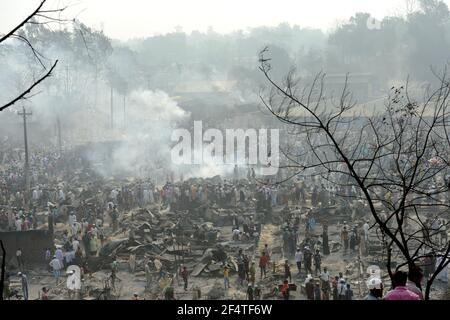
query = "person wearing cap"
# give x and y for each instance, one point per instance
(24, 280)
(375, 287)
(342, 288)
(400, 291)
(73, 283)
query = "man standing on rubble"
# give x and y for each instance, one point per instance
(317, 262)
(263, 260)
(73, 284)
(24, 281)
(325, 284)
(56, 266)
(59, 255)
(246, 267)
(252, 272)
(344, 238)
(298, 260)
(148, 275)
(308, 259)
(375, 287)
(325, 245)
(287, 271)
(267, 251)
(309, 287)
(19, 258)
(249, 292)
(366, 228)
(342, 289)
(114, 219)
(241, 267)
(226, 277)
(185, 275)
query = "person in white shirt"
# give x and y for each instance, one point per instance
(72, 218)
(69, 257)
(299, 260)
(36, 194)
(325, 275)
(366, 228)
(342, 288)
(60, 256)
(18, 224)
(113, 195)
(61, 196)
(56, 266)
(76, 227)
(19, 258)
(73, 284)
(75, 244)
(236, 233)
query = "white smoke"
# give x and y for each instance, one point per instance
(145, 144)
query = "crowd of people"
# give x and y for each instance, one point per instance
(90, 209)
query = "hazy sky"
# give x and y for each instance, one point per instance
(139, 18)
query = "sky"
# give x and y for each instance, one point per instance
(140, 18)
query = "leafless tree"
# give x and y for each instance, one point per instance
(2, 279)
(394, 160)
(40, 15)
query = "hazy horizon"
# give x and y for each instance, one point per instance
(141, 18)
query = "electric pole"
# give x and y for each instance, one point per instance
(112, 107)
(124, 111)
(58, 126)
(24, 114)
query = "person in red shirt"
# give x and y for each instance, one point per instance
(400, 291)
(285, 290)
(263, 260)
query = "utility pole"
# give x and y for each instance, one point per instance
(58, 127)
(112, 107)
(124, 111)
(67, 79)
(24, 114)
